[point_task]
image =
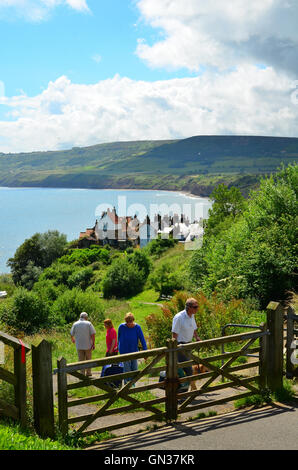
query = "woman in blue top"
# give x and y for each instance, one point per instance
(129, 335)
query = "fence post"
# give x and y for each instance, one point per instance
(62, 396)
(263, 358)
(171, 380)
(21, 386)
(275, 346)
(43, 399)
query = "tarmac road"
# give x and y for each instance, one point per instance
(273, 427)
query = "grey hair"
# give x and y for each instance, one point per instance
(189, 303)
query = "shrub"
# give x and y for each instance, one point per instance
(86, 256)
(26, 311)
(159, 245)
(68, 306)
(123, 279)
(165, 281)
(212, 315)
(141, 261)
(255, 253)
(81, 278)
(47, 290)
(7, 284)
(58, 273)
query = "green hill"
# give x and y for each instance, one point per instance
(195, 164)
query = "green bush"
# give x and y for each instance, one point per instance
(7, 284)
(212, 315)
(81, 278)
(58, 273)
(123, 279)
(254, 255)
(71, 303)
(86, 256)
(141, 261)
(47, 290)
(26, 311)
(165, 281)
(159, 245)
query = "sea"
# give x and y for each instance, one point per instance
(25, 211)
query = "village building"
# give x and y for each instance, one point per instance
(124, 231)
(87, 238)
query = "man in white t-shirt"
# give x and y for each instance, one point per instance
(184, 329)
(83, 335)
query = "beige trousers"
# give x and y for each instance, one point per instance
(85, 355)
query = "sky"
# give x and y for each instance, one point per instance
(83, 72)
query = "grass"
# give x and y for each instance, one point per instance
(284, 395)
(114, 309)
(13, 437)
(202, 415)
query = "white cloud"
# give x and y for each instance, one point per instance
(222, 34)
(97, 58)
(80, 5)
(37, 10)
(246, 101)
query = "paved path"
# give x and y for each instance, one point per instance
(273, 427)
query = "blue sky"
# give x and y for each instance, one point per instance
(81, 72)
(86, 46)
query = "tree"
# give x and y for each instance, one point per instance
(26, 311)
(39, 251)
(165, 281)
(68, 306)
(256, 254)
(141, 261)
(227, 204)
(123, 279)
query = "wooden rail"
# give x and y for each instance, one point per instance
(168, 405)
(17, 378)
(165, 407)
(110, 395)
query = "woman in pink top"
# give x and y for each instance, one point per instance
(111, 338)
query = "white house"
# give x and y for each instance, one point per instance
(115, 230)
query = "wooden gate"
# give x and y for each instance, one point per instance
(266, 342)
(17, 378)
(110, 396)
(225, 376)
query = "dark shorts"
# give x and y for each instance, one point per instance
(184, 356)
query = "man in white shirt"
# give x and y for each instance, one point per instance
(184, 329)
(83, 335)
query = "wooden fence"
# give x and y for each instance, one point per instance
(167, 407)
(115, 404)
(17, 378)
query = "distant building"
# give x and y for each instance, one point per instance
(115, 231)
(87, 238)
(129, 231)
